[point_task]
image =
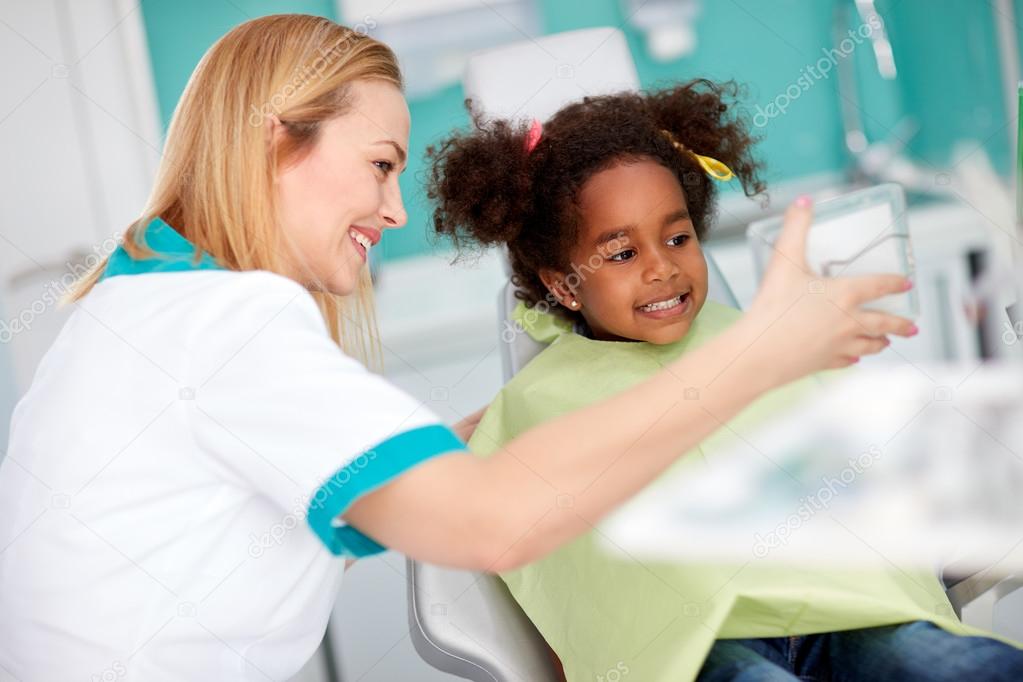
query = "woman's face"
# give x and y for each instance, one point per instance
(650, 279)
(336, 200)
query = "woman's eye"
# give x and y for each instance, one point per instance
(385, 166)
(622, 255)
(679, 239)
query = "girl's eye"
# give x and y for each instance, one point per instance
(385, 166)
(678, 240)
(622, 255)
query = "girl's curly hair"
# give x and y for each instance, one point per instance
(489, 189)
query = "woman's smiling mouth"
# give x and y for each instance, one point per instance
(364, 239)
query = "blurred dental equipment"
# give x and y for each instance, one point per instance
(433, 40)
(878, 38)
(884, 160)
(997, 271)
(668, 26)
(899, 465)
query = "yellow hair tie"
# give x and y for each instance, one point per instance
(710, 165)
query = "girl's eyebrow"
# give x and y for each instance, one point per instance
(612, 234)
(676, 216)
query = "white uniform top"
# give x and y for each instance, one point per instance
(170, 494)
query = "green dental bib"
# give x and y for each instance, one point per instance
(604, 614)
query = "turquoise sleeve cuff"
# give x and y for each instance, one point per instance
(366, 473)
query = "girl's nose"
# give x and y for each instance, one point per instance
(660, 267)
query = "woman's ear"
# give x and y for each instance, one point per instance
(274, 132)
(273, 128)
(557, 285)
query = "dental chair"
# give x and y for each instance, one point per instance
(462, 622)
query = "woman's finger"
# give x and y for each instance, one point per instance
(867, 345)
(876, 323)
(791, 243)
(859, 289)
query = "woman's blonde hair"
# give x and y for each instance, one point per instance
(215, 182)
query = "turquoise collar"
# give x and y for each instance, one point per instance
(173, 252)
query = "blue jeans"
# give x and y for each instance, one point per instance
(906, 652)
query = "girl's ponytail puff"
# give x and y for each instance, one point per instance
(480, 182)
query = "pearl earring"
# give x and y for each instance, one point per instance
(574, 304)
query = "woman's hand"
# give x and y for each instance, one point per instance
(804, 323)
(465, 428)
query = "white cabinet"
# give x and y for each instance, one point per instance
(81, 139)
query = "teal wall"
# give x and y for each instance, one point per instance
(953, 78)
(948, 82)
(180, 31)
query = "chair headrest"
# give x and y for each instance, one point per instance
(535, 78)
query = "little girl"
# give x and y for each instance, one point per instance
(603, 209)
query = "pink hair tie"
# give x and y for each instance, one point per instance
(533, 136)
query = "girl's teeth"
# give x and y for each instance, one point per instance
(663, 305)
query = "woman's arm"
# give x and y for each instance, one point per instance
(559, 479)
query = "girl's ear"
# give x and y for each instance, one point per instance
(556, 284)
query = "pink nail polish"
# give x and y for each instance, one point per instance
(913, 331)
(804, 201)
(908, 285)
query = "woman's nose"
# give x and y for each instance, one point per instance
(392, 210)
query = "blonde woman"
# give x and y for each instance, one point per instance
(203, 444)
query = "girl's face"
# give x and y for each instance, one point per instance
(638, 270)
(336, 200)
